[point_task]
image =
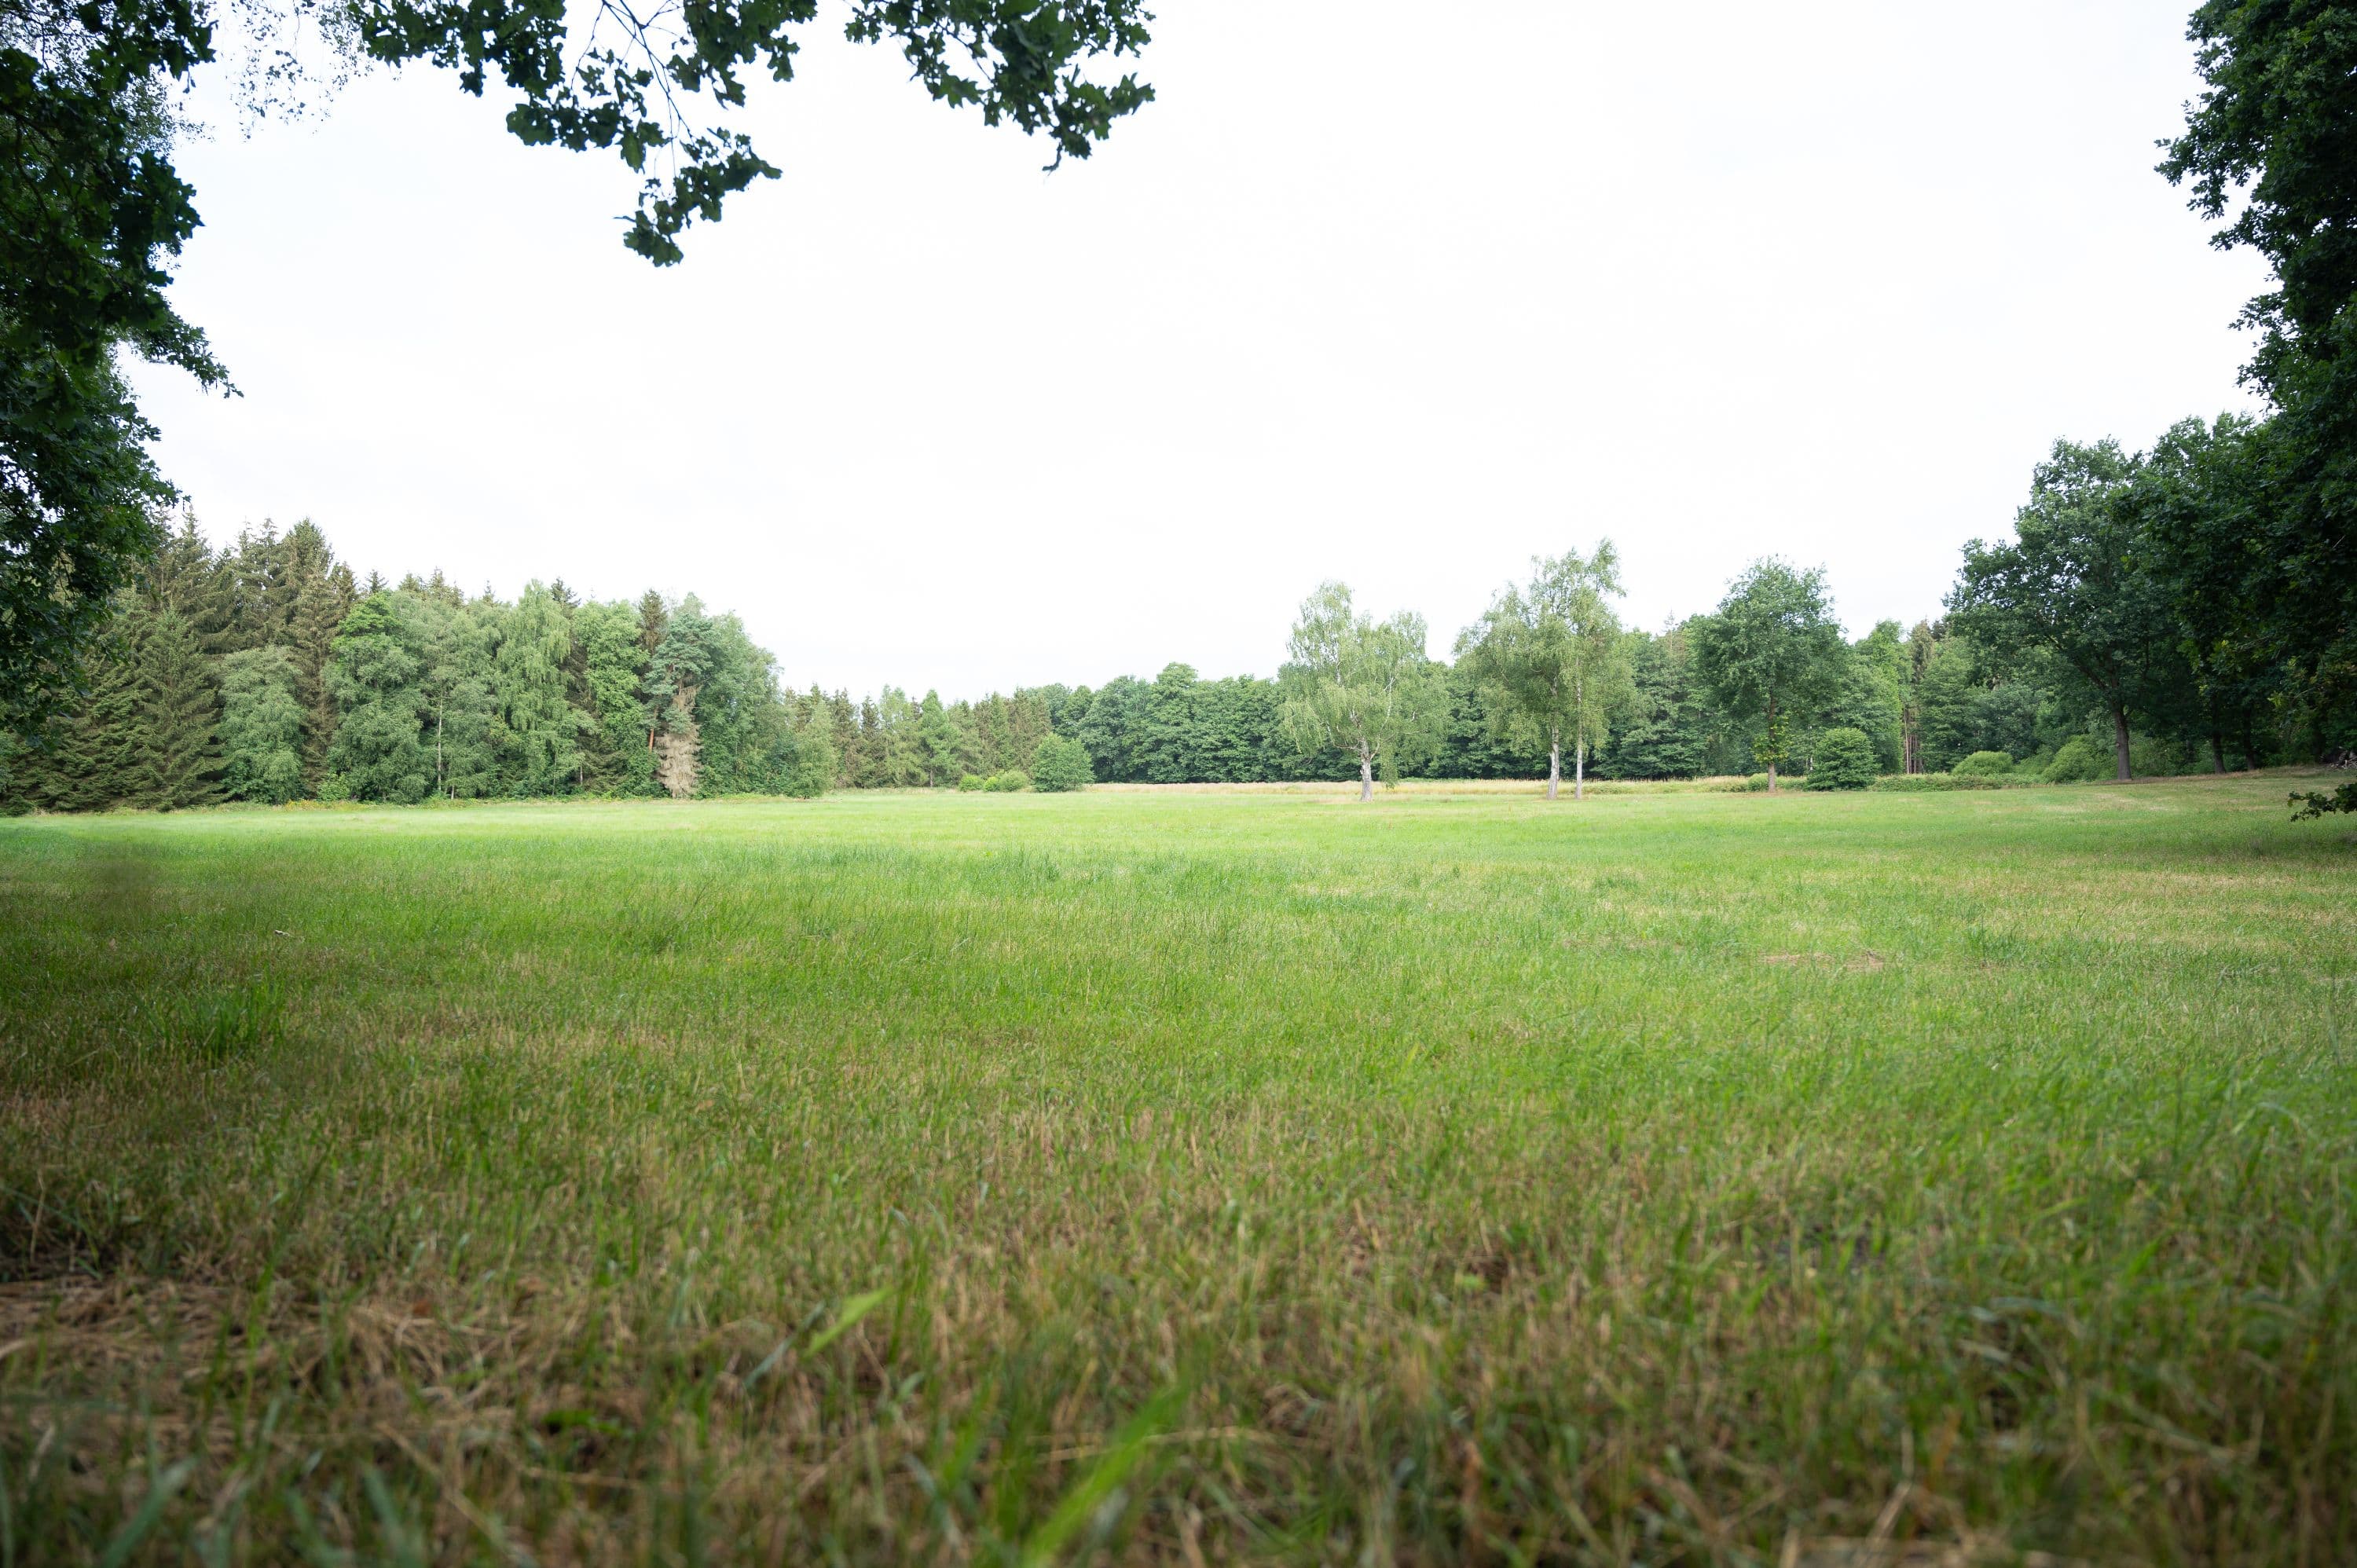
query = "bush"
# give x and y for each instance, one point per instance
(1845, 761)
(2077, 762)
(1984, 765)
(971, 782)
(1060, 764)
(1007, 783)
(1758, 781)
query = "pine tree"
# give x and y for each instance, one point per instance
(179, 763)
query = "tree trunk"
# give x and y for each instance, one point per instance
(1554, 767)
(1580, 770)
(2120, 742)
(1366, 773)
(2217, 753)
(1771, 778)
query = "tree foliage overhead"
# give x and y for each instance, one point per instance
(91, 214)
(654, 87)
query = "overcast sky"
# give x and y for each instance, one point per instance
(1388, 293)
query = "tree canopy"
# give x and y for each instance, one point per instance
(1554, 655)
(1771, 651)
(1360, 684)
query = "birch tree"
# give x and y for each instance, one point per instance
(1554, 658)
(1362, 684)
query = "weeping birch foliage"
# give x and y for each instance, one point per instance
(1555, 659)
(1363, 684)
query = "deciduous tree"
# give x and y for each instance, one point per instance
(2072, 583)
(1772, 653)
(1554, 655)
(1363, 684)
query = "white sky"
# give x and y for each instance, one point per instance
(1389, 293)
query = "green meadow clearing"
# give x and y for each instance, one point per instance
(1676, 1176)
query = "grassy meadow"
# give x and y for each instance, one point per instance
(1676, 1176)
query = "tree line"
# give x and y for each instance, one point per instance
(267, 672)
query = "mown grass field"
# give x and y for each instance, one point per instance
(1673, 1177)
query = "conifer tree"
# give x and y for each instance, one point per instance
(261, 726)
(87, 758)
(653, 615)
(246, 576)
(615, 757)
(178, 712)
(675, 674)
(306, 603)
(185, 577)
(938, 743)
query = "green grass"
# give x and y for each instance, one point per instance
(1676, 1176)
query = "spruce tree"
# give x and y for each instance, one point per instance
(323, 593)
(87, 758)
(653, 615)
(179, 763)
(261, 726)
(246, 575)
(614, 758)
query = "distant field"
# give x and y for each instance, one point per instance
(1677, 1176)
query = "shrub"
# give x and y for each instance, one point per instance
(1004, 783)
(2077, 762)
(1757, 781)
(1845, 761)
(1060, 764)
(971, 782)
(1984, 765)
